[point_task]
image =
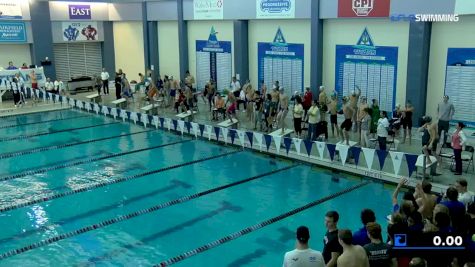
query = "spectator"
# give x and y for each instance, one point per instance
(235, 87)
(365, 126)
(425, 199)
(382, 130)
(415, 223)
(313, 119)
(332, 248)
(105, 81)
(307, 100)
(24, 66)
(49, 85)
(10, 66)
(458, 142)
(361, 237)
(353, 255)
(445, 112)
(456, 208)
(303, 255)
(297, 114)
(464, 196)
(430, 225)
(418, 262)
(379, 253)
(259, 107)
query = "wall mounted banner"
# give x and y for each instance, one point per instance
(283, 62)
(363, 8)
(372, 69)
(12, 32)
(7, 75)
(79, 31)
(79, 11)
(207, 9)
(213, 61)
(459, 82)
(10, 9)
(275, 9)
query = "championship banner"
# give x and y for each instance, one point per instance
(10, 9)
(7, 75)
(79, 31)
(208, 9)
(275, 9)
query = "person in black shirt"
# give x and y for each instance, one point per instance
(379, 253)
(332, 248)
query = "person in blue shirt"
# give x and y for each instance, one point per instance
(360, 237)
(10, 66)
(456, 208)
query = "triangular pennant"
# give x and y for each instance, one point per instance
(175, 124)
(181, 125)
(216, 131)
(355, 152)
(343, 152)
(225, 131)
(298, 144)
(277, 142)
(308, 146)
(72, 103)
(144, 119)
(331, 150)
(104, 110)
(56, 98)
(188, 127)
(232, 133)
(156, 122)
(287, 144)
(209, 131)
(381, 156)
(396, 158)
(196, 128)
(96, 108)
(50, 96)
(162, 122)
(250, 136)
(268, 140)
(202, 129)
(123, 114)
(240, 135)
(259, 139)
(134, 117)
(168, 123)
(369, 156)
(411, 163)
(320, 148)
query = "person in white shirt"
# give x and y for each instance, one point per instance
(105, 81)
(49, 85)
(302, 255)
(465, 196)
(298, 113)
(313, 119)
(58, 86)
(235, 87)
(382, 130)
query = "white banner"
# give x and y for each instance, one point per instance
(208, 9)
(275, 9)
(298, 144)
(7, 75)
(240, 136)
(277, 140)
(343, 151)
(320, 148)
(369, 156)
(10, 9)
(79, 31)
(397, 160)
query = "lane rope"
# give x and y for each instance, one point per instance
(253, 228)
(21, 137)
(103, 184)
(126, 217)
(89, 160)
(53, 147)
(33, 113)
(38, 122)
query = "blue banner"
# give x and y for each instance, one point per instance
(370, 68)
(459, 81)
(283, 62)
(12, 32)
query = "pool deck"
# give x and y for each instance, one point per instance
(440, 183)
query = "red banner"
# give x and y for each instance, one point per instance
(363, 8)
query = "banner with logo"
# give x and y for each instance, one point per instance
(369, 68)
(363, 8)
(275, 9)
(79, 11)
(12, 32)
(281, 61)
(7, 75)
(10, 9)
(80, 31)
(208, 9)
(213, 61)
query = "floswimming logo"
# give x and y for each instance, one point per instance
(425, 17)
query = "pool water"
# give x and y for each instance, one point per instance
(60, 153)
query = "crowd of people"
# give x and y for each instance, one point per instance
(420, 216)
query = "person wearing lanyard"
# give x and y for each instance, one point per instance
(15, 85)
(458, 141)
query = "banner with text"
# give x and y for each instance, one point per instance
(7, 75)
(12, 32)
(275, 9)
(79, 31)
(363, 8)
(207, 9)
(370, 68)
(10, 9)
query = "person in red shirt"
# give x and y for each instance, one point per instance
(307, 101)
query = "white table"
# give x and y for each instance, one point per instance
(93, 97)
(119, 102)
(227, 123)
(279, 132)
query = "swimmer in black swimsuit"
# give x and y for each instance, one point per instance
(407, 121)
(346, 125)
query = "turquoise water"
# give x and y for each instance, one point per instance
(156, 236)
